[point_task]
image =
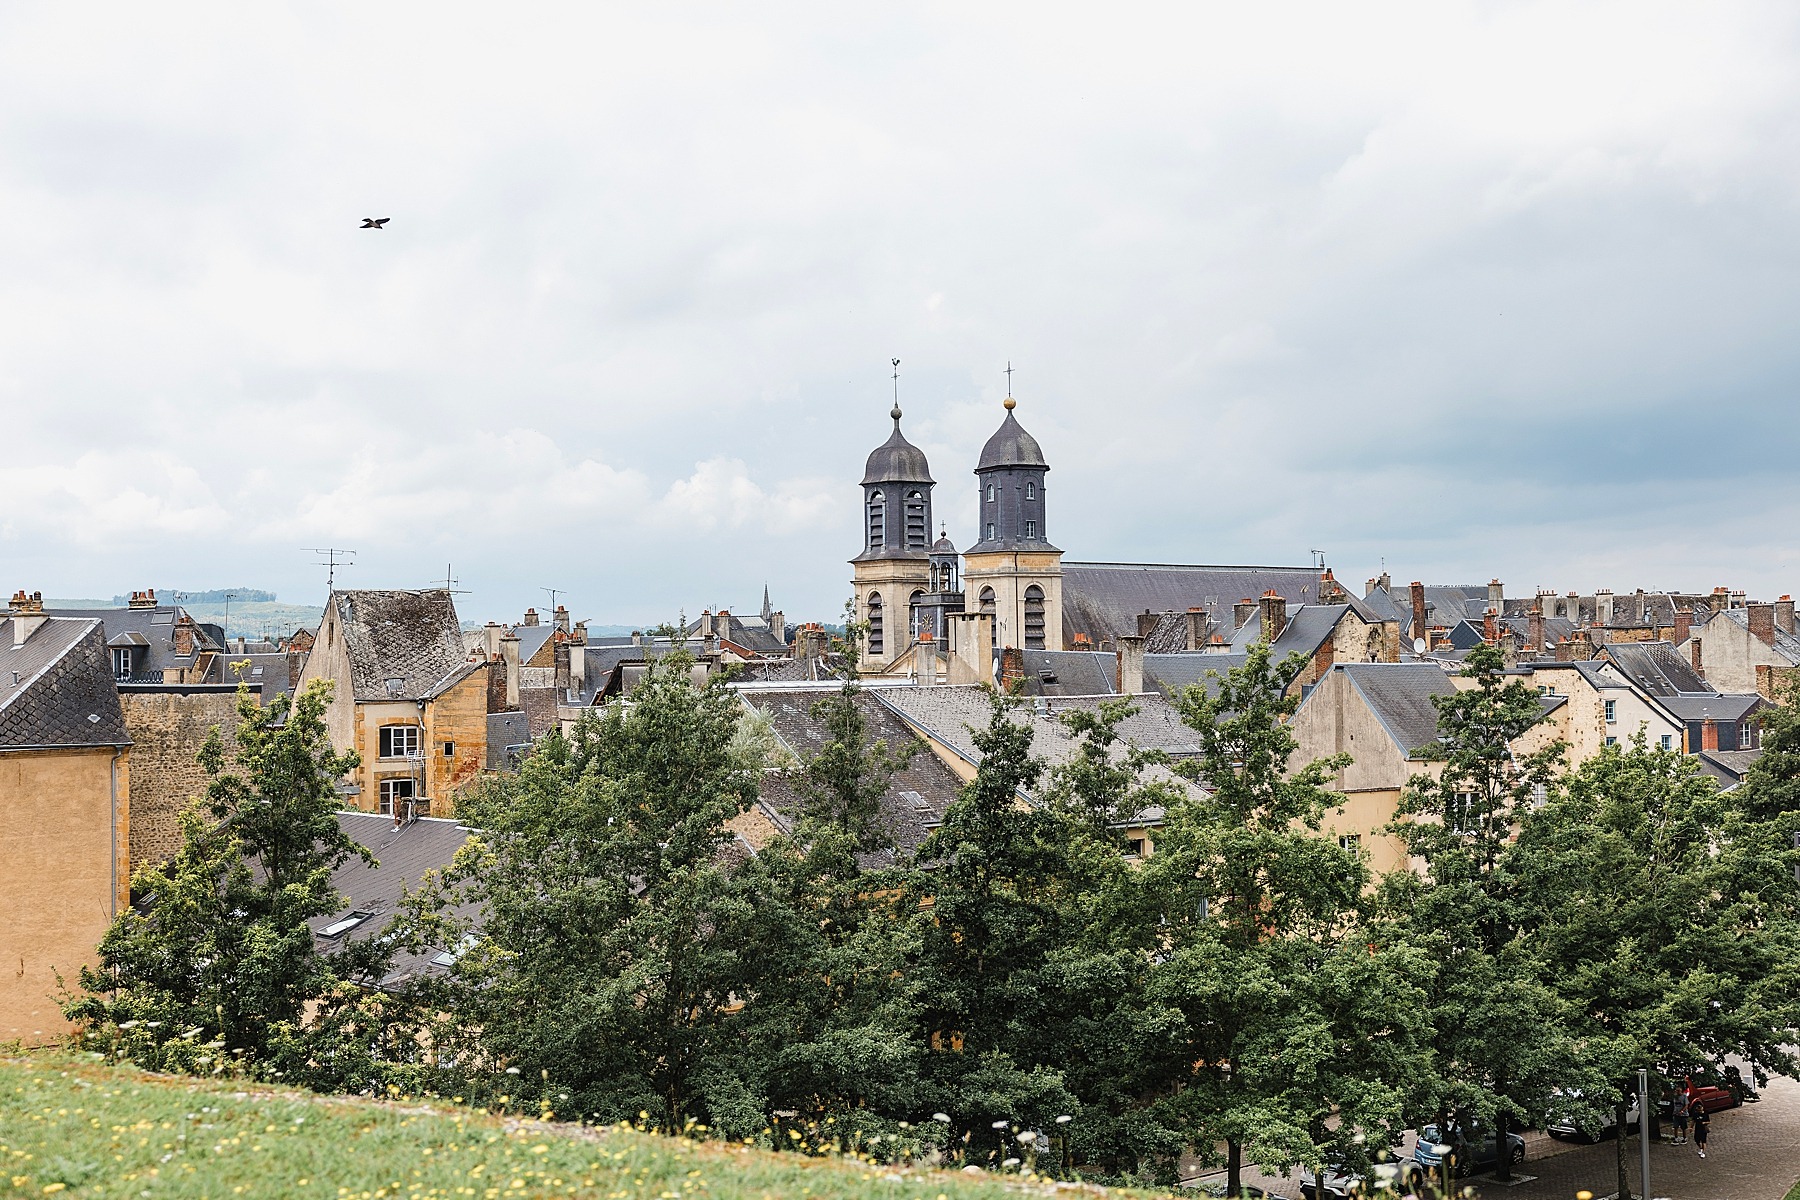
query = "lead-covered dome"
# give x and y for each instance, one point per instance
(897, 460)
(1011, 446)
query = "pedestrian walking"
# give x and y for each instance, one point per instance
(1702, 1126)
(1678, 1110)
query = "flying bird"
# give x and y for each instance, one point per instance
(374, 222)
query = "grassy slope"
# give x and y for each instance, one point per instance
(73, 1127)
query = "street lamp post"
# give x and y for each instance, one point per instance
(1644, 1127)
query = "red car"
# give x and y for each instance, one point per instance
(1711, 1097)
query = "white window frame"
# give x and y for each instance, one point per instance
(1612, 712)
(1668, 741)
(121, 662)
(1031, 491)
(1744, 734)
(1031, 529)
(387, 789)
(391, 735)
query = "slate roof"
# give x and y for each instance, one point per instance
(505, 732)
(1171, 674)
(1308, 627)
(1010, 446)
(531, 640)
(1722, 707)
(156, 628)
(57, 689)
(896, 460)
(1400, 696)
(948, 712)
(273, 673)
(1728, 766)
(1070, 672)
(918, 795)
(1103, 600)
(404, 855)
(1445, 604)
(790, 670)
(410, 636)
(1656, 667)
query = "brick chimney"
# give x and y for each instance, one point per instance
(1709, 734)
(560, 619)
(1241, 611)
(1762, 622)
(1694, 653)
(1784, 614)
(183, 637)
(1274, 615)
(1012, 667)
(1490, 627)
(27, 613)
(1330, 590)
(1684, 625)
(809, 642)
(1496, 595)
(1534, 625)
(143, 599)
(559, 658)
(1131, 665)
(1196, 628)
(1421, 632)
(531, 618)
(1581, 646)
(1565, 650)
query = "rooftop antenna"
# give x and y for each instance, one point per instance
(1009, 399)
(554, 593)
(1318, 560)
(450, 582)
(332, 562)
(227, 623)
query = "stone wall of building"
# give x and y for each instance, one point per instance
(167, 730)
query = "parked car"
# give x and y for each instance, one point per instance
(1562, 1124)
(1470, 1146)
(1712, 1093)
(1340, 1182)
(1216, 1189)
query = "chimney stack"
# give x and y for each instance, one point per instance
(1694, 653)
(778, 625)
(1420, 631)
(559, 658)
(1496, 596)
(581, 633)
(1241, 611)
(1581, 646)
(578, 659)
(1274, 615)
(1146, 622)
(1784, 614)
(509, 654)
(531, 618)
(1762, 622)
(184, 635)
(1330, 590)
(1603, 607)
(27, 614)
(1196, 629)
(1684, 625)
(706, 622)
(144, 599)
(560, 619)
(1534, 640)
(1131, 665)
(1709, 734)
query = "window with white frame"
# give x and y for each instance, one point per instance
(394, 793)
(1746, 732)
(1668, 741)
(399, 741)
(1464, 815)
(1612, 711)
(122, 662)
(1031, 491)
(1350, 841)
(1031, 529)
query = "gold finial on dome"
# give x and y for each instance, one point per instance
(1010, 402)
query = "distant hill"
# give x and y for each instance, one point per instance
(249, 618)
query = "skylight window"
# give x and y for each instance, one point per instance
(344, 924)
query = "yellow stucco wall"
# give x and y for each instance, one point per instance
(1009, 574)
(65, 845)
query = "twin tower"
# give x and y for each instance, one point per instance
(908, 587)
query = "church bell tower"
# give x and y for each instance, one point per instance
(1013, 572)
(893, 572)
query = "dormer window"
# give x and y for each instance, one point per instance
(122, 662)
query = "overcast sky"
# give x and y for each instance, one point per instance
(1472, 289)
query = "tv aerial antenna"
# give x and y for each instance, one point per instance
(335, 557)
(450, 581)
(554, 593)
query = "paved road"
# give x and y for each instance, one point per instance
(1754, 1155)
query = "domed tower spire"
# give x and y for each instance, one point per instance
(894, 565)
(1012, 570)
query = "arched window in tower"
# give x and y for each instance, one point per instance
(990, 492)
(987, 601)
(1034, 617)
(916, 525)
(877, 522)
(875, 638)
(1031, 491)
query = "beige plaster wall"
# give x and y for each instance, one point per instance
(1009, 574)
(66, 849)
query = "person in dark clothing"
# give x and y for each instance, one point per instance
(1702, 1126)
(1678, 1110)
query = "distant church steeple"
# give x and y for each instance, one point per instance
(1013, 571)
(893, 569)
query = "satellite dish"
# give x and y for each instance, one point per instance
(1418, 645)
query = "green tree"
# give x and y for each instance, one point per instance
(217, 958)
(609, 962)
(1500, 1035)
(1286, 1013)
(1668, 927)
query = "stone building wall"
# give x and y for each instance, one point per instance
(167, 730)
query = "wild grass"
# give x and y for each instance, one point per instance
(72, 1126)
